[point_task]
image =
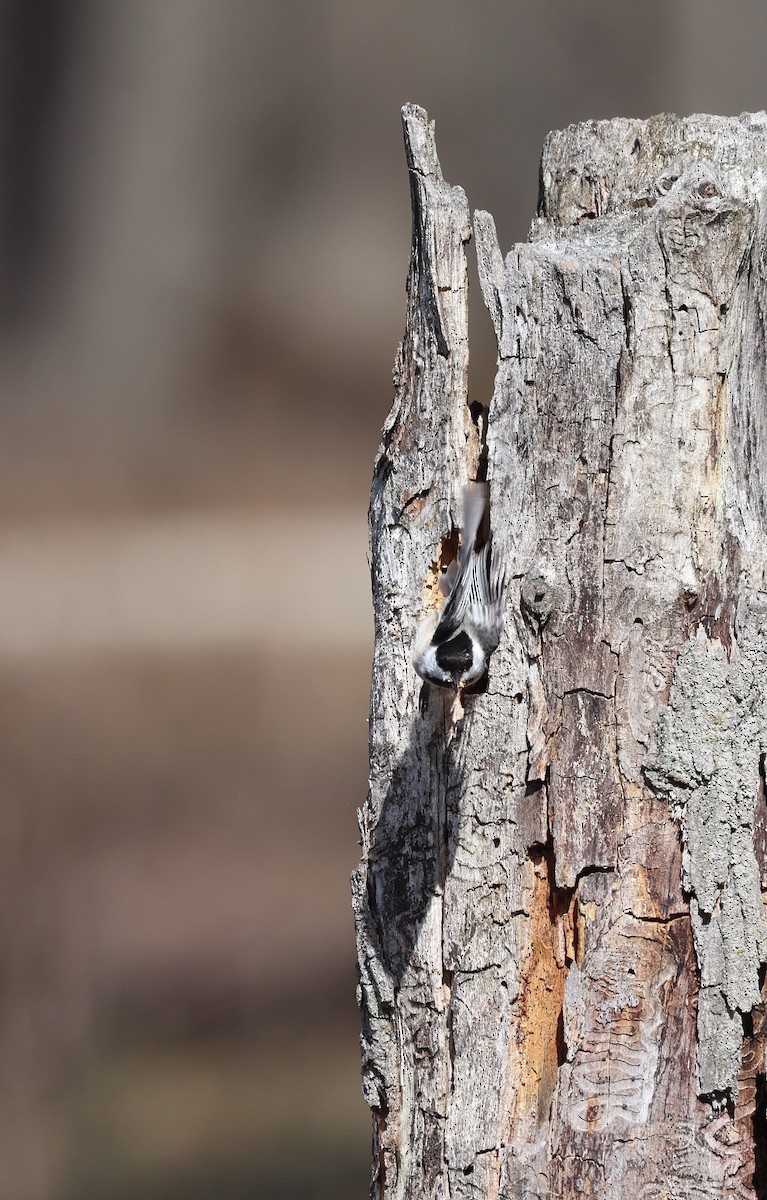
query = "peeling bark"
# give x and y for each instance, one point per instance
(560, 904)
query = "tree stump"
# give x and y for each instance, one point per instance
(560, 903)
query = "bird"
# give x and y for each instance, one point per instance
(453, 644)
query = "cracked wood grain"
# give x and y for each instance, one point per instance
(560, 903)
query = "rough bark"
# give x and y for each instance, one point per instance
(560, 912)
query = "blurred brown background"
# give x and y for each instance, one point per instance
(204, 228)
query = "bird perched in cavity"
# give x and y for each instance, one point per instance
(452, 645)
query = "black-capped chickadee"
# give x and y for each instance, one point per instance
(452, 645)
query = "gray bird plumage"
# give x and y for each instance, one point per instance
(452, 646)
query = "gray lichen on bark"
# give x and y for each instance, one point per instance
(710, 744)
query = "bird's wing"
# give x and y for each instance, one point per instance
(485, 604)
(453, 610)
(461, 572)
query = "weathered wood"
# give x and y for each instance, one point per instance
(560, 903)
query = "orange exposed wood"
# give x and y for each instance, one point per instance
(539, 1043)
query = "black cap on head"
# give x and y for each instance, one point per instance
(456, 656)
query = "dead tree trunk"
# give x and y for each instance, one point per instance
(559, 907)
